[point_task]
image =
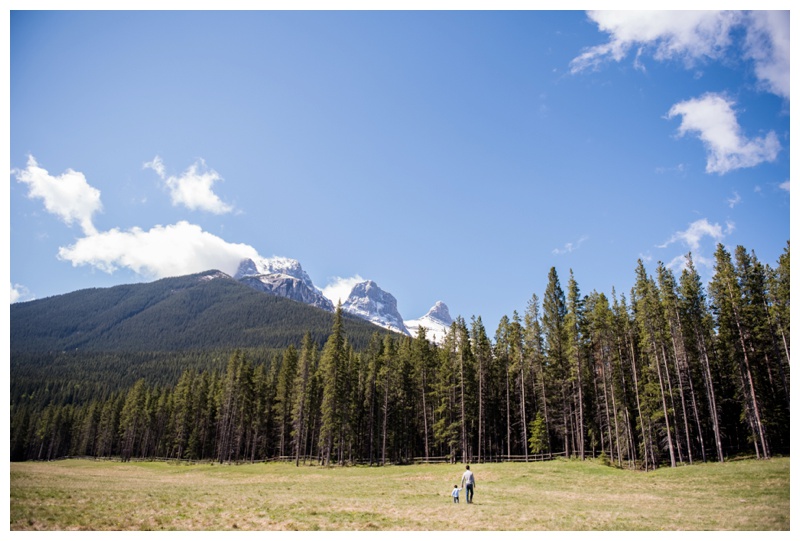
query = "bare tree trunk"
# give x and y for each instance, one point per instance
(522, 407)
(464, 449)
(425, 413)
(710, 391)
(608, 415)
(638, 402)
(664, 405)
(480, 409)
(758, 425)
(672, 401)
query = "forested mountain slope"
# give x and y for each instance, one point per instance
(204, 311)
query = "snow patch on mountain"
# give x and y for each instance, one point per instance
(273, 265)
(436, 323)
(283, 277)
(370, 302)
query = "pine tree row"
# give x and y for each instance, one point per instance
(670, 375)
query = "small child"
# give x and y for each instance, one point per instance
(455, 493)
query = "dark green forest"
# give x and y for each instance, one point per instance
(672, 373)
(205, 311)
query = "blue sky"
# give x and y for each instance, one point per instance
(451, 156)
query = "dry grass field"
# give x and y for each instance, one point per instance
(558, 495)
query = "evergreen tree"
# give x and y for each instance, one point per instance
(574, 323)
(534, 345)
(554, 313)
(282, 407)
(728, 304)
(482, 352)
(302, 396)
(332, 368)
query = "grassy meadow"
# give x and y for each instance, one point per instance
(557, 495)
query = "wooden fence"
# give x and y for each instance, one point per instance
(315, 460)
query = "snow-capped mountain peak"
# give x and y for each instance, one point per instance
(273, 265)
(370, 302)
(439, 313)
(283, 277)
(436, 323)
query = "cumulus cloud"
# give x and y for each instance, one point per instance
(767, 43)
(694, 35)
(688, 35)
(712, 118)
(570, 246)
(339, 288)
(68, 196)
(193, 188)
(171, 250)
(19, 293)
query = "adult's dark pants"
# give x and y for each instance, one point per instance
(469, 493)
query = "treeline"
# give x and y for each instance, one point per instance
(672, 374)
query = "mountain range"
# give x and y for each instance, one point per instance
(205, 311)
(285, 277)
(268, 303)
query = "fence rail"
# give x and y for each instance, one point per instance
(316, 460)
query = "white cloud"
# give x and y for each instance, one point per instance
(156, 165)
(692, 236)
(694, 35)
(19, 293)
(734, 200)
(193, 189)
(67, 196)
(784, 186)
(678, 263)
(673, 34)
(714, 121)
(570, 246)
(171, 250)
(767, 43)
(339, 288)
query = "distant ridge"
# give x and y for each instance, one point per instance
(209, 310)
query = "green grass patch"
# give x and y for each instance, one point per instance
(557, 495)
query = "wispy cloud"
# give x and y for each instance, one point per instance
(712, 118)
(680, 168)
(338, 288)
(692, 238)
(193, 189)
(68, 196)
(734, 200)
(784, 186)
(694, 36)
(570, 246)
(157, 165)
(171, 250)
(696, 231)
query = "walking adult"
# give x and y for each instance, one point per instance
(468, 482)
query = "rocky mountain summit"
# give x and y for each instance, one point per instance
(436, 323)
(370, 302)
(283, 277)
